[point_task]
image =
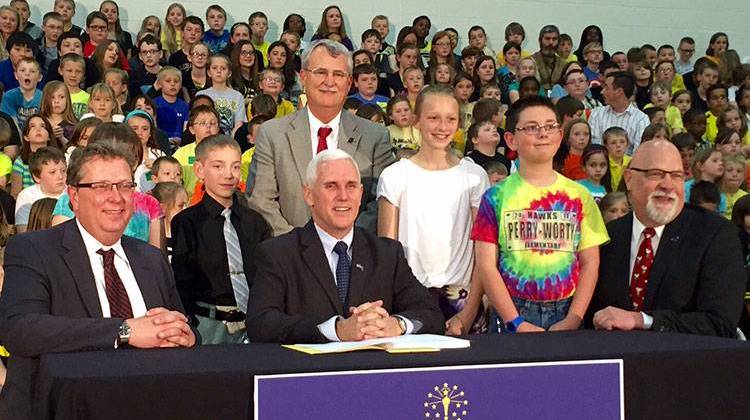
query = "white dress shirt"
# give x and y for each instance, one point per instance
(315, 124)
(122, 265)
(328, 328)
(635, 243)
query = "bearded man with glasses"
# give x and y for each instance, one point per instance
(669, 267)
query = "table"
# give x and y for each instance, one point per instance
(665, 375)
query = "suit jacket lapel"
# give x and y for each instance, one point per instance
(621, 254)
(79, 264)
(317, 263)
(349, 134)
(298, 136)
(668, 246)
(144, 276)
(361, 268)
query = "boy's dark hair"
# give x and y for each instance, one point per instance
(691, 115)
(367, 111)
(651, 112)
(254, 15)
(514, 28)
(257, 120)
(95, 15)
(51, 15)
(717, 86)
(364, 69)
(648, 47)
(5, 132)
(161, 161)
(352, 103)
(687, 40)
(606, 65)
(201, 109)
(568, 105)
(625, 81)
(652, 129)
(197, 98)
(614, 131)
(476, 28)
(21, 39)
(702, 64)
(529, 79)
(473, 131)
(564, 38)
(704, 192)
(217, 141)
(683, 141)
(64, 36)
(195, 20)
(217, 8)
(365, 52)
(149, 39)
(371, 33)
(664, 47)
(514, 113)
(485, 109)
(263, 104)
(635, 55)
(471, 52)
(43, 156)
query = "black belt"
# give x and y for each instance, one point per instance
(213, 313)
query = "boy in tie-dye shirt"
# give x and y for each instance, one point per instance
(537, 233)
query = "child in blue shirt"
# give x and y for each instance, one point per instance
(19, 45)
(25, 100)
(171, 111)
(366, 82)
(216, 37)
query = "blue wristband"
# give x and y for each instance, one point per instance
(513, 325)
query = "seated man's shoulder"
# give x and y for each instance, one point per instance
(704, 223)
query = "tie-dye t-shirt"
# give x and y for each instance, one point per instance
(539, 232)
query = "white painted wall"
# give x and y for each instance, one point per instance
(625, 23)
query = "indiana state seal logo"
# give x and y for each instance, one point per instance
(446, 402)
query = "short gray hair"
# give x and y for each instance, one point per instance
(311, 174)
(334, 48)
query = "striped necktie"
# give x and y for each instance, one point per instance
(234, 258)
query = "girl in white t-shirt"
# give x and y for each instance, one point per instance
(429, 202)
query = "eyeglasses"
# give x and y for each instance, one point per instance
(246, 53)
(149, 52)
(338, 75)
(104, 186)
(687, 50)
(659, 175)
(206, 124)
(98, 28)
(535, 129)
(200, 55)
(270, 79)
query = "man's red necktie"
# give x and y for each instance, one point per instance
(641, 269)
(323, 133)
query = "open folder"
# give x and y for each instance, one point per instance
(413, 343)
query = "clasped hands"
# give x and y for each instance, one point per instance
(160, 327)
(366, 321)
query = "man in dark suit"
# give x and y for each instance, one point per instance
(330, 281)
(668, 267)
(286, 145)
(82, 285)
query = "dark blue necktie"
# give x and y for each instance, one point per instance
(343, 270)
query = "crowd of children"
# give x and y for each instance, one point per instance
(187, 96)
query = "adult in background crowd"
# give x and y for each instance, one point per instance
(668, 267)
(285, 146)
